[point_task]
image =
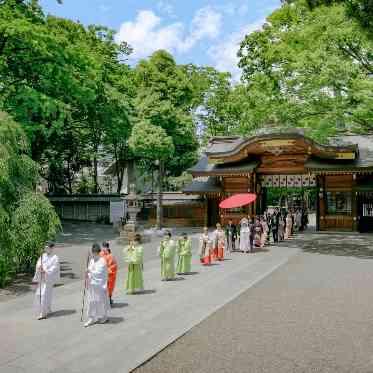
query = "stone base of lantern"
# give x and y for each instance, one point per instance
(129, 231)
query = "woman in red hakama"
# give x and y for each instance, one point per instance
(112, 268)
(205, 247)
(219, 243)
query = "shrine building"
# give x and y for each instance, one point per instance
(340, 173)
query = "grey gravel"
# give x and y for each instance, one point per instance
(314, 314)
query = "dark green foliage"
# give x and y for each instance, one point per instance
(67, 87)
(27, 219)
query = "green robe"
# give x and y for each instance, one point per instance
(134, 257)
(167, 251)
(184, 250)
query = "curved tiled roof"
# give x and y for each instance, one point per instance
(228, 146)
(203, 167)
(211, 185)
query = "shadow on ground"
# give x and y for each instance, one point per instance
(338, 244)
(20, 285)
(119, 305)
(60, 313)
(67, 271)
(115, 320)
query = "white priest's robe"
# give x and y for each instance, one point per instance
(97, 292)
(50, 265)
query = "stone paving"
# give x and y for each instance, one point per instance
(72, 246)
(140, 326)
(313, 314)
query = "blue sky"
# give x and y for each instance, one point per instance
(203, 32)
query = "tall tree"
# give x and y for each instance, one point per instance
(152, 143)
(314, 66)
(27, 219)
(66, 84)
(165, 98)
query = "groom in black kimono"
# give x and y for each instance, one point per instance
(231, 235)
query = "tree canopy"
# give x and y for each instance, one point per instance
(309, 66)
(27, 219)
(314, 67)
(67, 85)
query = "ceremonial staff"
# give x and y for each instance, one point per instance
(41, 277)
(85, 285)
(161, 249)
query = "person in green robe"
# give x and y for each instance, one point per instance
(133, 255)
(167, 251)
(184, 251)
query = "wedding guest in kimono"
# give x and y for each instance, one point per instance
(112, 268)
(292, 215)
(167, 251)
(298, 220)
(245, 244)
(97, 293)
(251, 228)
(264, 236)
(275, 225)
(258, 231)
(281, 227)
(47, 273)
(184, 252)
(133, 256)
(231, 236)
(219, 243)
(289, 225)
(304, 219)
(205, 247)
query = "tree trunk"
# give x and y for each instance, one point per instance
(117, 170)
(69, 177)
(95, 173)
(152, 183)
(159, 197)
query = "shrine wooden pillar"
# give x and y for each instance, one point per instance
(251, 190)
(354, 201)
(320, 206)
(206, 217)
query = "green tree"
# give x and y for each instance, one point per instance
(66, 84)
(166, 98)
(310, 67)
(27, 219)
(152, 143)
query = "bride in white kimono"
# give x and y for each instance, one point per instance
(97, 292)
(244, 236)
(47, 273)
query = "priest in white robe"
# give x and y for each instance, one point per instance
(97, 292)
(47, 273)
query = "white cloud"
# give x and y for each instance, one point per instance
(224, 54)
(165, 7)
(146, 33)
(206, 23)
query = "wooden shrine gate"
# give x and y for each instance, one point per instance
(234, 164)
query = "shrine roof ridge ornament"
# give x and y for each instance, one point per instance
(239, 147)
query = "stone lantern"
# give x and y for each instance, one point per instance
(130, 229)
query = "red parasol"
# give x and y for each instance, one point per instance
(238, 200)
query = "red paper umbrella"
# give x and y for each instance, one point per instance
(238, 200)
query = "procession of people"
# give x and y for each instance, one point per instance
(248, 236)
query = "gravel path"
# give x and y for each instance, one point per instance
(314, 314)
